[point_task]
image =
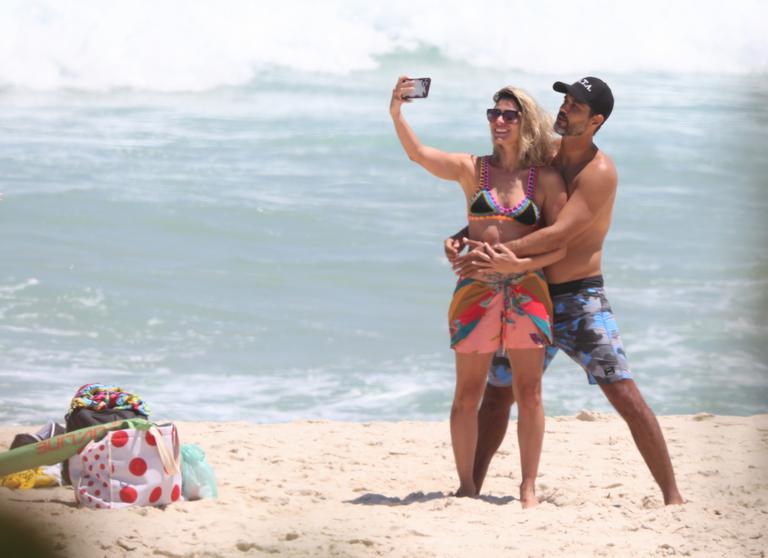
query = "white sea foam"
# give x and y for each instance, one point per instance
(93, 298)
(8, 290)
(350, 390)
(52, 332)
(193, 45)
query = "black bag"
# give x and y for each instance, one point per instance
(48, 431)
(83, 418)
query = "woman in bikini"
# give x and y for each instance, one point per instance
(509, 194)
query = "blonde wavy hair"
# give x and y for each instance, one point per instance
(536, 135)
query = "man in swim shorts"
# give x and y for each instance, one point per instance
(584, 326)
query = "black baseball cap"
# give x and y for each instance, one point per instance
(590, 90)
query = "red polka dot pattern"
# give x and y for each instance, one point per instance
(128, 494)
(125, 470)
(137, 467)
(119, 438)
(156, 494)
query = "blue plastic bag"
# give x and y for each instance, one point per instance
(197, 478)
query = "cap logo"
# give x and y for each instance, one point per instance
(586, 85)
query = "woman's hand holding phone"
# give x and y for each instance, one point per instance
(420, 88)
(407, 89)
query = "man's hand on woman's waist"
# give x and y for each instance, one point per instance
(483, 258)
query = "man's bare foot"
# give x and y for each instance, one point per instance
(528, 497)
(465, 492)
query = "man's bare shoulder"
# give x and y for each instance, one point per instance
(603, 163)
(600, 171)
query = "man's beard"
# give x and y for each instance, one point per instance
(566, 129)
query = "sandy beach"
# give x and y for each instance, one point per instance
(319, 488)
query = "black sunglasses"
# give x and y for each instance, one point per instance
(508, 115)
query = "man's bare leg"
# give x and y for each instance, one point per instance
(492, 423)
(645, 429)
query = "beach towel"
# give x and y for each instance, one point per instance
(104, 397)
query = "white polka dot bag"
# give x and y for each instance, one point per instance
(128, 468)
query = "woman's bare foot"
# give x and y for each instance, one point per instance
(674, 500)
(528, 497)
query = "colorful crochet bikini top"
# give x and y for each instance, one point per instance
(485, 206)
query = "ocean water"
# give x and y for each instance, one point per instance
(207, 203)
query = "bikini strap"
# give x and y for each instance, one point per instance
(532, 175)
(485, 182)
(482, 173)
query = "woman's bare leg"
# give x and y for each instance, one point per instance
(528, 365)
(471, 377)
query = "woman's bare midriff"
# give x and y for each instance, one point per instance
(496, 231)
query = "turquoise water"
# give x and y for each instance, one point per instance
(264, 251)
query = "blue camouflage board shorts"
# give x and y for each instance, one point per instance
(585, 329)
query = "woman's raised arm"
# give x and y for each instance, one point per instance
(448, 166)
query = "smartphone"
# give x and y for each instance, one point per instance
(420, 88)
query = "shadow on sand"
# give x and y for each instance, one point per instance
(372, 499)
(43, 500)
